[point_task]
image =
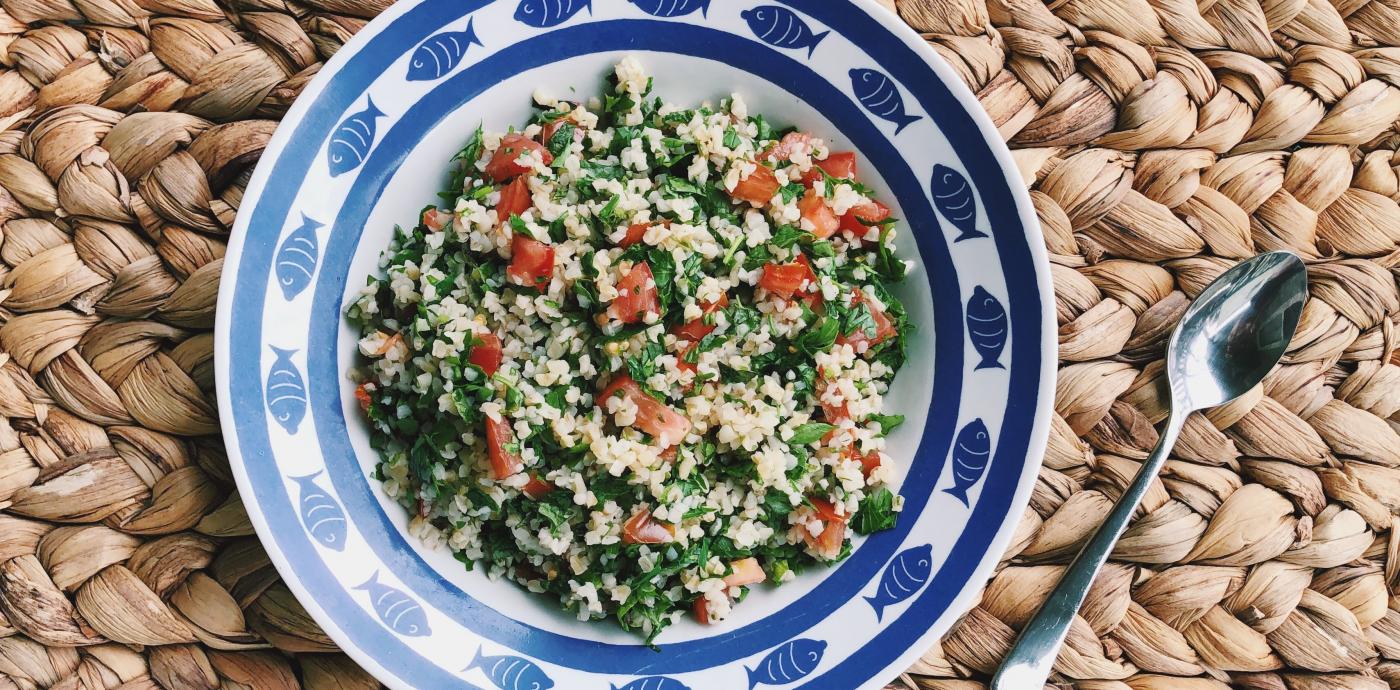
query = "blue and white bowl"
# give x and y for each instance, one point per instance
(368, 144)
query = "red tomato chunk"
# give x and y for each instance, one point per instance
(871, 213)
(884, 328)
(653, 416)
(784, 280)
(515, 199)
(636, 296)
(642, 528)
(840, 164)
(814, 210)
(531, 262)
(758, 188)
(500, 441)
(537, 488)
(504, 163)
(487, 353)
(697, 329)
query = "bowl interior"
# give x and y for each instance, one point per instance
(685, 81)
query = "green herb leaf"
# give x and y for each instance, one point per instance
(607, 215)
(821, 249)
(743, 319)
(776, 504)
(765, 130)
(556, 516)
(557, 397)
(859, 318)
(809, 433)
(562, 139)
(819, 339)
(673, 187)
(663, 273)
(888, 422)
(731, 138)
(787, 236)
(642, 365)
(887, 265)
(876, 513)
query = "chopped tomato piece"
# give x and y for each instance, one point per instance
(636, 231)
(784, 280)
(868, 461)
(642, 528)
(515, 199)
(636, 295)
(833, 535)
(790, 144)
(531, 262)
(504, 163)
(826, 510)
(500, 441)
(487, 353)
(746, 572)
(829, 542)
(537, 488)
(681, 355)
(702, 611)
(653, 416)
(840, 164)
(669, 455)
(814, 210)
(550, 128)
(871, 212)
(362, 397)
(884, 328)
(697, 329)
(834, 414)
(758, 188)
(435, 219)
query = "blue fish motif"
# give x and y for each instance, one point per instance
(904, 576)
(954, 199)
(986, 327)
(352, 139)
(439, 53)
(880, 96)
(672, 8)
(787, 664)
(653, 683)
(543, 14)
(395, 609)
(511, 672)
(320, 513)
(782, 28)
(971, 451)
(297, 257)
(286, 391)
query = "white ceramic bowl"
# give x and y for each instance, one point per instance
(340, 173)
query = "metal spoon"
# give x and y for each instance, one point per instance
(1232, 336)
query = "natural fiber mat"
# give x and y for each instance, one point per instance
(1163, 139)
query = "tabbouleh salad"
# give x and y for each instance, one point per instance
(636, 359)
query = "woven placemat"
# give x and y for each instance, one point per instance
(1163, 140)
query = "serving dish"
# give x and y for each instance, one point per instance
(365, 146)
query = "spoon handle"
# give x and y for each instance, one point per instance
(1028, 664)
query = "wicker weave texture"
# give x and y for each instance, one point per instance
(1163, 140)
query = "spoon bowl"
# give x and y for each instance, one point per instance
(1236, 331)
